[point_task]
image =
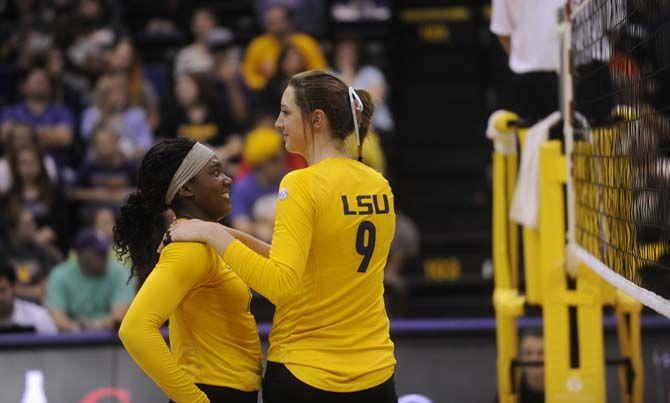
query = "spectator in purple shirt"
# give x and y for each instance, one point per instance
(112, 109)
(52, 122)
(106, 177)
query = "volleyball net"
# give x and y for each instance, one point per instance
(617, 101)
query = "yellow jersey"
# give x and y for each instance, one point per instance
(333, 230)
(266, 49)
(213, 336)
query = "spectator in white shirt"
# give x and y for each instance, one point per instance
(528, 31)
(18, 314)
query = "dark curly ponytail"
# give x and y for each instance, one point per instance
(141, 224)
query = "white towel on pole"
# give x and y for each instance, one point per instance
(526, 201)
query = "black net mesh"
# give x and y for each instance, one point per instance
(621, 156)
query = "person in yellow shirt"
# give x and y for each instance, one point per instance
(262, 54)
(215, 352)
(324, 269)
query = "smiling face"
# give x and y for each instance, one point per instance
(210, 191)
(290, 123)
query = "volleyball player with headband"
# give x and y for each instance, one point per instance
(324, 269)
(215, 351)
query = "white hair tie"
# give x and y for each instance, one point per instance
(353, 98)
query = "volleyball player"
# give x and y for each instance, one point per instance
(324, 270)
(216, 354)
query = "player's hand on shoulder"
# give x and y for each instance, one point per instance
(186, 231)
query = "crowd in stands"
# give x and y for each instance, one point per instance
(79, 108)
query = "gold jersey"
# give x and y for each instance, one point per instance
(213, 336)
(333, 230)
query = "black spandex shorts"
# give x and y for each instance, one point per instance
(221, 394)
(281, 386)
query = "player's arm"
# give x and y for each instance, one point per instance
(255, 244)
(506, 42)
(180, 268)
(59, 135)
(502, 22)
(278, 276)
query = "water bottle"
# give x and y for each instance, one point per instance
(34, 392)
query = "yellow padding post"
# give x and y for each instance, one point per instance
(508, 306)
(502, 270)
(566, 381)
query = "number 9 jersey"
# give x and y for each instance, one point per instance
(334, 226)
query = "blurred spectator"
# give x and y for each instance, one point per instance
(309, 16)
(264, 152)
(532, 378)
(529, 35)
(234, 95)
(197, 57)
(264, 212)
(23, 31)
(196, 112)
(104, 221)
(123, 59)
(260, 61)
(112, 109)
(52, 122)
(290, 62)
(31, 189)
(16, 314)
(88, 35)
(30, 255)
(159, 17)
(531, 389)
(347, 56)
(361, 10)
(22, 136)
(68, 88)
(106, 177)
(88, 292)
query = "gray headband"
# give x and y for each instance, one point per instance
(194, 161)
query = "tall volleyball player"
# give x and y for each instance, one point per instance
(215, 353)
(324, 270)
